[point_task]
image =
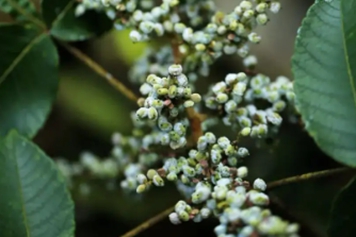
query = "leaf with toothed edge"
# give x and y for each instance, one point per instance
(324, 68)
(34, 200)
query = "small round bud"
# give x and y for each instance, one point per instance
(188, 103)
(182, 80)
(142, 112)
(195, 97)
(245, 131)
(258, 198)
(261, 7)
(141, 188)
(172, 176)
(135, 36)
(157, 180)
(254, 37)
(205, 212)
(275, 7)
(242, 172)
(222, 98)
(184, 216)
(152, 113)
(141, 178)
(242, 152)
(260, 184)
(200, 47)
(223, 142)
(174, 218)
(151, 173)
(175, 69)
(172, 91)
(262, 19)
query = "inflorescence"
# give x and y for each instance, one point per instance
(163, 147)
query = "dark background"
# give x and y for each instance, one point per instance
(88, 111)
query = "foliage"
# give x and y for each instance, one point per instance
(325, 77)
(172, 139)
(35, 192)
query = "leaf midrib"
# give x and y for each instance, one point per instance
(21, 55)
(348, 66)
(23, 208)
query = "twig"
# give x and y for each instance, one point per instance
(100, 71)
(307, 176)
(147, 224)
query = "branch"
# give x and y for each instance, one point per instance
(307, 176)
(149, 223)
(100, 71)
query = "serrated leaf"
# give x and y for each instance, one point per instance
(343, 213)
(34, 201)
(28, 77)
(60, 18)
(324, 70)
(20, 10)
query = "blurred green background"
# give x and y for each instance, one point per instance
(88, 111)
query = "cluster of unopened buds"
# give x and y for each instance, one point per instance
(207, 169)
(167, 99)
(203, 33)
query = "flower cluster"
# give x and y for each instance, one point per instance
(202, 33)
(238, 207)
(236, 98)
(167, 99)
(166, 145)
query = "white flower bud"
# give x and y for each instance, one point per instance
(260, 184)
(174, 218)
(242, 172)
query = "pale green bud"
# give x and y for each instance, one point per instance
(151, 173)
(158, 181)
(141, 188)
(195, 97)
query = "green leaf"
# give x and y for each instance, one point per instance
(343, 213)
(324, 67)
(28, 77)
(60, 17)
(21, 10)
(34, 201)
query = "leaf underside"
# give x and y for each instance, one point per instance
(323, 65)
(34, 201)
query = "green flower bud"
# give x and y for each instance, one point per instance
(195, 97)
(245, 131)
(158, 181)
(183, 215)
(172, 91)
(162, 91)
(200, 47)
(141, 188)
(188, 103)
(222, 98)
(172, 176)
(151, 173)
(142, 112)
(152, 113)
